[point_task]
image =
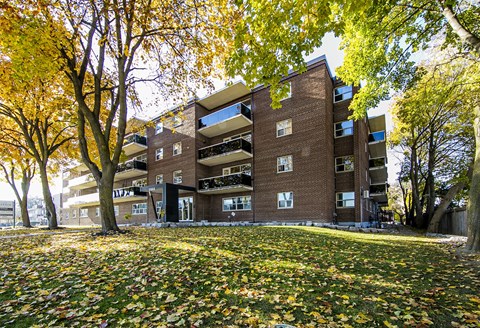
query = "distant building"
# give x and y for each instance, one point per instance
(37, 211)
(231, 157)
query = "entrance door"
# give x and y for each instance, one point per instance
(185, 208)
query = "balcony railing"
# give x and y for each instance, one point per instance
(225, 148)
(377, 162)
(376, 136)
(225, 182)
(377, 189)
(131, 165)
(128, 192)
(135, 138)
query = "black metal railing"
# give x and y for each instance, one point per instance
(376, 162)
(378, 189)
(376, 136)
(128, 192)
(135, 138)
(131, 165)
(224, 114)
(231, 180)
(225, 147)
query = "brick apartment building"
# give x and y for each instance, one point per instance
(231, 157)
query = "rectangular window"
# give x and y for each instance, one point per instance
(289, 92)
(246, 136)
(342, 93)
(284, 164)
(141, 158)
(159, 127)
(139, 182)
(177, 148)
(244, 168)
(116, 210)
(66, 216)
(177, 120)
(177, 177)
(74, 214)
(83, 212)
(343, 129)
(159, 154)
(242, 203)
(285, 199)
(158, 206)
(345, 199)
(97, 211)
(284, 128)
(159, 179)
(344, 164)
(140, 208)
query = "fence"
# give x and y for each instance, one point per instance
(454, 222)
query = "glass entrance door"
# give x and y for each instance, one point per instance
(185, 208)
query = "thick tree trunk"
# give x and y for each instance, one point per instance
(105, 192)
(430, 183)
(26, 179)
(416, 204)
(24, 212)
(473, 209)
(47, 198)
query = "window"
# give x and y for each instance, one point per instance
(285, 199)
(159, 179)
(74, 214)
(289, 94)
(159, 127)
(139, 182)
(177, 148)
(159, 154)
(345, 199)
(66, 216)
(242, 203)
(177, 177)
(177, 120)
(116, 210)
(158, 206)
(244, 168)
(344, 164)
(284, 128)
(344, 128)
(284, 164)
(83, 212)
(97, 211)
(342, 93)
(140, 208)
(246, 136)
(141, 158)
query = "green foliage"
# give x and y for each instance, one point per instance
(235, 277)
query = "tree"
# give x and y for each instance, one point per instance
(25, 168)
(378, 40)
(106, 48)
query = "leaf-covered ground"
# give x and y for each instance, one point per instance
(235, 277)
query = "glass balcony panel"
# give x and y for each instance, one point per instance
(135, 138)
(376, 162)
(132, 165)
(237, 179)
(128, 192)
(378, 189)
(224, 148)
(224, 114)
(376, 136)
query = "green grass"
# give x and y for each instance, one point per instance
(235, 277)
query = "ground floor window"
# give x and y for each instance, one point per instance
(138, 209)
(97, 211)
(285, 199)
(159, 205)
(116, 210)
(345, 199)
(241, 203)
(83, 212)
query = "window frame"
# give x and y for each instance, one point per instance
(139, 210)
(97, 212)
(349, 91)
(83, 213)
(343, 129)
(288, 127)
(181, 177)
(143, 182)
(235, 198)
(241, 168)
(159, 127)
(116, 210)
(337, 200)
(289, 94)
(343, 164)
(288, 164)
(156, 178)
(286, 201)
(157, 152)
(179, 150)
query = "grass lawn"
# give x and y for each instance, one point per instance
(235, 277)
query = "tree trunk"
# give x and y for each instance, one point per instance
(473, 209)
(105, 193)
(26, 179)
(47, 198)
(442, 208)
(430, 183)
(417, 218)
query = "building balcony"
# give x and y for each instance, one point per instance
(134, 143)
(377, 145)
(378, 170)
(378, 192)
(225, 120)
(121, 195)
(237, 182)
(127, 170)
(225, 152)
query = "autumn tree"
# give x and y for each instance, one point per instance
(107, 47)
(378, 40)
